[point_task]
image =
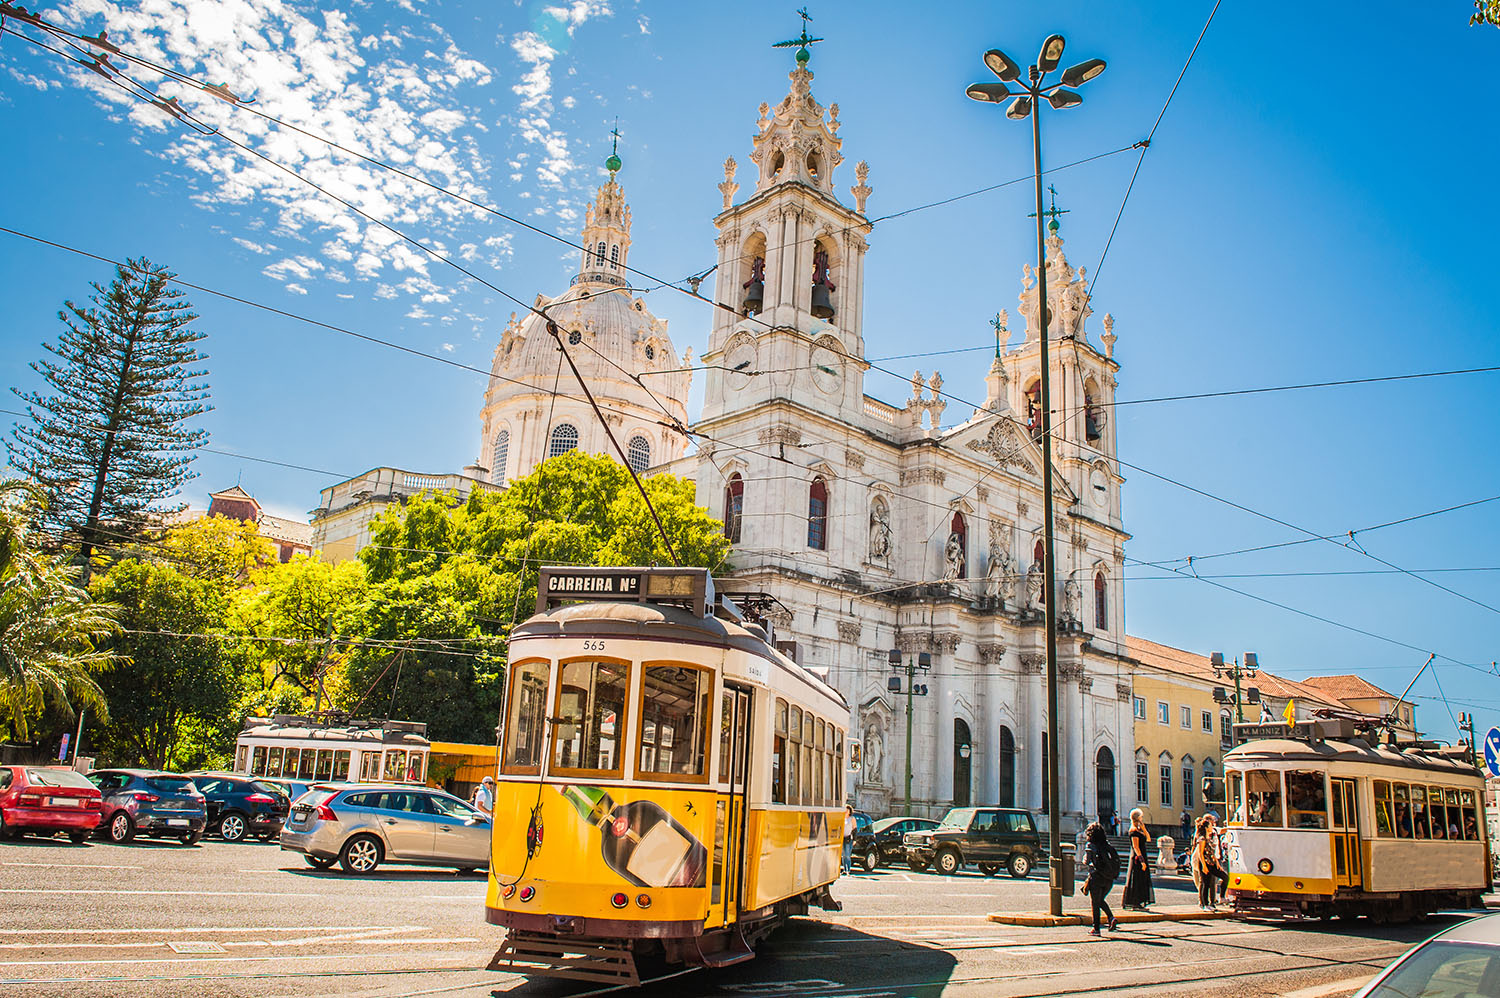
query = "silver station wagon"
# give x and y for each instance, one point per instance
(360, 826)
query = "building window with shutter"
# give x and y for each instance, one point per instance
(817, 515)
(734, 507)
(1140, 708)
(1101, 603)
(1142, 784)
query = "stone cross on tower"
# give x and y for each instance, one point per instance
(1051, 212)
(802, 42)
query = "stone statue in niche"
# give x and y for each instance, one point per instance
(1072, 601)
(1034, 585)
(880, 532)
(1001, 571)
(874, 751)
(953, 555)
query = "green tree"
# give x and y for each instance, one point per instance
(173, 680)
(112, 439)
(218, 548)
(1486, 12)
(50, 628)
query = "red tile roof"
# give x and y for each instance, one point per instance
(1347, 688)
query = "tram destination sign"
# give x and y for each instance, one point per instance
(1304, 731)
(679, 586)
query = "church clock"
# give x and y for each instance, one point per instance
(827, 369)
(741, 363)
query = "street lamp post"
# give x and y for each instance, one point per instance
(1239, 670)
(1027, 102)
(923, 661)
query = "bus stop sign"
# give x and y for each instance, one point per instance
(1492, 751)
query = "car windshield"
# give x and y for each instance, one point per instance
(1442, 970)
(269, 788)
(959, 817)
(171, 784)
(56, 778)
(450, 808)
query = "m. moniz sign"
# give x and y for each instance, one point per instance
(690, 587)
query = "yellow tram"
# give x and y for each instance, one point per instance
(1321, 823)
(670, 785)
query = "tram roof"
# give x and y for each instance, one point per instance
(361, 735)
(656, 622)
(1354, 750)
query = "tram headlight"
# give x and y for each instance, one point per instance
(619, 899)
(527, 893)
(1265, 866)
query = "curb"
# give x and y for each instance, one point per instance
(1040, 919)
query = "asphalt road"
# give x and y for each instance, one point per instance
(158, 919)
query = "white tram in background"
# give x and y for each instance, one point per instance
(293, 747)
(1321, 823)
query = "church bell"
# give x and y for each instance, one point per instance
(822, 305)
(755, 296)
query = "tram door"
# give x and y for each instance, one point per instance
(1346, 849)
(736, 721)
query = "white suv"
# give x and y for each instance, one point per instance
(363, 825)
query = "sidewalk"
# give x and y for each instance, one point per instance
(1161, 913)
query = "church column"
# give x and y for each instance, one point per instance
(987, 787)
(1074, 739)
(942, 745)
(786, 271)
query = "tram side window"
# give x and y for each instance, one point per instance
(341, 764)
(1419, 812)
(305, 764)
(1437, 812)
(395, 764)
(1306, 799)
(807, 760)
(674, 701)
(1384, 827)
(778, 756)
(324, 768)
(794, 757)
(1401, 796)
(838, 766)
(1471, 822)
(1263, 797)
(525, 719)
(273, 760)
(726, 725)
(241, 755)
(591, 699)
(369, 767)
(1234, 802)
(258, 761)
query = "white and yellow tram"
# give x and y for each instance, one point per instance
(670, 785)
(1323, 823)
(294, 747)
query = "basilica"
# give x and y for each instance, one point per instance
(902, 539)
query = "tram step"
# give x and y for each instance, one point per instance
(600, 960)
(736, 950)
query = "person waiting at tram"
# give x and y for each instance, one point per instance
(1206, 864)
(1138, 892)
(849, 826)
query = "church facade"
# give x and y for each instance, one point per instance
(887, 531)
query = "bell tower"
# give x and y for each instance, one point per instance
(606, 229)
(790, 264)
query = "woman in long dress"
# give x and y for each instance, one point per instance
(1138, 892)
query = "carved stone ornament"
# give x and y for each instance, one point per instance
(1022, 507)
(1072, 601)
(946, 641)
(1002, 571)
(1003, 444)
(1085, 684)
(953, 559)
(880, 530)
(849, 631)
(981, 493)
(854, 460)
(1070, 672)
(1122, 692)
(1034, 583)
(781, 435)
(861, 190)
(991, 652)
(1033, 665)
(917, 476)
(728, 187)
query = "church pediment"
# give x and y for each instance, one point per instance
(1008, 448)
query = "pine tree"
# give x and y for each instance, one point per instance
(112, 440)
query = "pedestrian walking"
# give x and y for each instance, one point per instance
(484, 797)
(1206, 869)
(1138, 890)
(849, 826)
(1221, 854)
(1103, 864)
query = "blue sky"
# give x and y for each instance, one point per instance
(1316, 206)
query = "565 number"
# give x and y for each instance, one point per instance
(592, 645)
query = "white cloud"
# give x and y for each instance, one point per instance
(252, 247)
(448, 348)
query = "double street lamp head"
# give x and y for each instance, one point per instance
(1059, 95)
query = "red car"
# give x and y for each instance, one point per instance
(38, 799)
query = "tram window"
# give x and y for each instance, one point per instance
(1402, 798)
(726, 725)
(395, 763)
(1384, 828)
(258, 761)
(416, 765)
(241, 756)
(778, 767)
(324, 767)
(341, 765)
(838, 766)
(525, 719)
(289, 767)
(1471, 823)
(306, 763)
(591, 701)
(1306, 799)
(1263, 797)
(273, 761)
(781, 711)
(369, 767)
(1437, 812)
(1419, 811)
(794, 757)
(674, 725)
(1234, 802)
(807, 775)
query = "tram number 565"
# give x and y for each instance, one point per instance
(593, 645)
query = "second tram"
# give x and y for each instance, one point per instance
(670, 786)
(1322, 823)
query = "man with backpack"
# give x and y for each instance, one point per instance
(1103, 864)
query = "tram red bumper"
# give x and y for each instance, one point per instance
(593, 928)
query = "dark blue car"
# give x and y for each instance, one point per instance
(239, 806)
(149, 802)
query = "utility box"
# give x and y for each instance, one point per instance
(1061, 871)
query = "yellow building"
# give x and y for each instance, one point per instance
(1180, 733)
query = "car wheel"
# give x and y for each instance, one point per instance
(916, 864)
(1019, 865)
(870, 860)
(232, 826)
(360, 854)
(949, 861)
(121, 828)
(191, 838)
(79, 838)
(989, 869)
(5, 830)
(318, 862)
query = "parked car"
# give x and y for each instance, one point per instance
(38, 799)
(991, 837)
(883, 841)
(292, 788)
(362, 825)
(239, 806)
(1462, 960)
(149, 802)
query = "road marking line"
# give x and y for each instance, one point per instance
(229, 928)
(76, 866)
(212, 894)
(196, 959)
(429, 942)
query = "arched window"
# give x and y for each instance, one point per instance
(958, 534)
(614, 258)
(564, 439)
(817, 515)
(1104, 783)
(1187, 784)
(1101, 603)
(1034, 410)
(1093, 413)
(734, 507)
(501, 452)
(599, 255)
(1007, 767)
(639, 452)
(1038, 552)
